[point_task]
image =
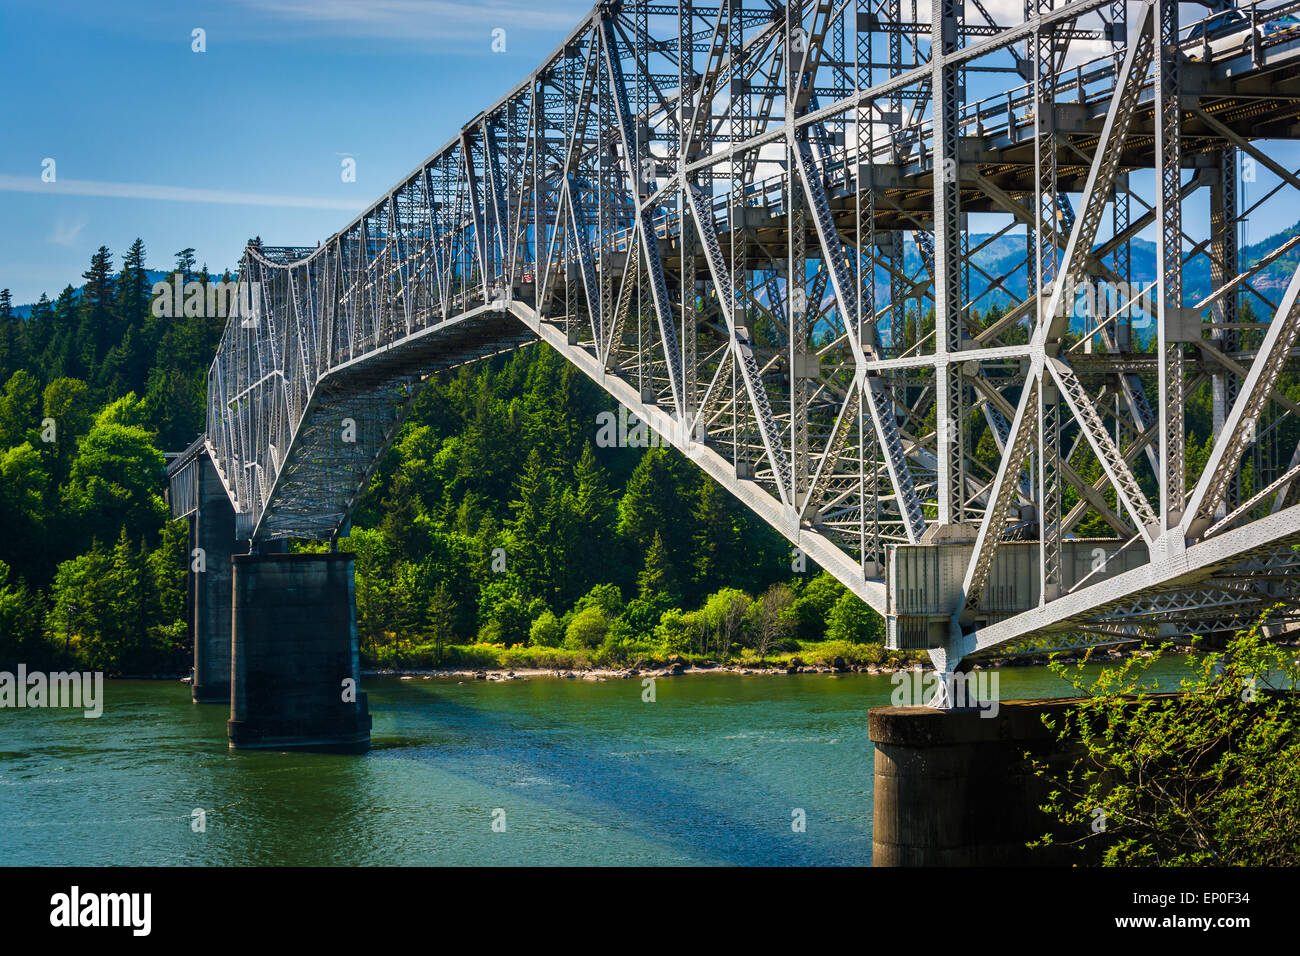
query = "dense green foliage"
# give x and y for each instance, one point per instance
(1210, 777)
(494, 524)
(496, 492)
(94, 385)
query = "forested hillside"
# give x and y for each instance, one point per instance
(91, 570)
(495, 531)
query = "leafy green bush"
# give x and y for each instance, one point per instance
(822, 653)
(543, 658)
(545, 631)
(672, 633)
(1208, 777)
(619, 652)
(472, 655)
(812, 607)
(606, 597)
(852, 620)
(587, 629)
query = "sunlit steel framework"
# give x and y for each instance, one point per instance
(764, 229)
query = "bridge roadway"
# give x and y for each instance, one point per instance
(778, 162)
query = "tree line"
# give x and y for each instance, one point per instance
(94, 387)
(494, 522)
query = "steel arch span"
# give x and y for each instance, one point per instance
(835, 252)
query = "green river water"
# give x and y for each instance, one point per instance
(711, 772)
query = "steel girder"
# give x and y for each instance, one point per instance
(707, 209)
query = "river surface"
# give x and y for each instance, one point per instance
(712, 772)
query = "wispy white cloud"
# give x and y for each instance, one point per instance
(90, 187)
(67, 230)
(425, 20)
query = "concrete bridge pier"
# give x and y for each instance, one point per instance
(295, 670)
(212, 544)
(952, 788)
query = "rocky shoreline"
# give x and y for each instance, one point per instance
(670, 669)
(678, 667)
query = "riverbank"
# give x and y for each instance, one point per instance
(680, 667)
(671, 669)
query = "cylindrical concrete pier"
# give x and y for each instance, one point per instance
(952, 787)
(295, 674)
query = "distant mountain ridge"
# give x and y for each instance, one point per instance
(1002, 256)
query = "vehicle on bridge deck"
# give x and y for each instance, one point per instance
(1230, 32)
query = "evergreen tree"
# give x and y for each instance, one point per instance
(12, 353)
(126, 363)
(185, 264)
(64, 357)
(401, 531)
(98, 327)
(716, 539)
(536, 531)
(36, 333)
(653, 502)
(22, 638)
(658, 578)
(590, 526)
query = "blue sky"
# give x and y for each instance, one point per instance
(251, 134)
(207, 149)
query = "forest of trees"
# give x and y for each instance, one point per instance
(497, 520)
(494, 526)
(94, 386)
(495, 531)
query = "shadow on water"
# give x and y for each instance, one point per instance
(695, 805)
(585, 772)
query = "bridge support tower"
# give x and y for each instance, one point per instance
(952, 787)
(295, 671)
(212, 545)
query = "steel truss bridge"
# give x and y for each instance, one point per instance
(763, 228)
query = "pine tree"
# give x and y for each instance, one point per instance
(716, 539)
(590, 517)
(64, 357)
(12, 355)
(441, 615)
(537, 552)
(654, 502)
(36, 334)
(400, 526)
(127, 362)
(658, 579)
(185, 263)
(98, 328)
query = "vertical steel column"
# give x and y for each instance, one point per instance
(1120, 208)
(686, 233)
(1223, 268)
(867, 244)
(736, 204)
(796, 41)
(1046, 223)
(945, 87)
(1169, 264)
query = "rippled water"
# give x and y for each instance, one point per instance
(585, 772)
